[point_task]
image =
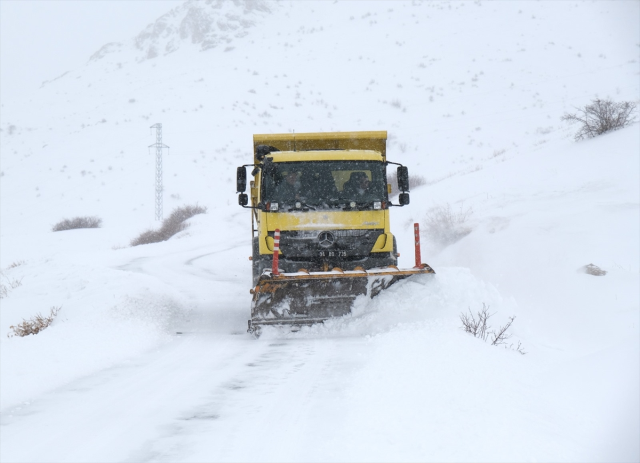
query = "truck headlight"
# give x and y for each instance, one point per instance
(298, 205)
(273, 207)
(377, 205)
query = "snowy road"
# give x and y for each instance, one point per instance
(213, 389)
(400, 381)
(163, 404)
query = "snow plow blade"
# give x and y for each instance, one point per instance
(306, 298)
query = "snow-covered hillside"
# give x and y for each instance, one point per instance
(471, 94)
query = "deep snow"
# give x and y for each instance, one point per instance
(471, 94)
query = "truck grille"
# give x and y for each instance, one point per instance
(305, 244)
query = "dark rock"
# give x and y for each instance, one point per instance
(594, 270)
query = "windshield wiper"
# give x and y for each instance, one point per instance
(337, 203)
(303, 205)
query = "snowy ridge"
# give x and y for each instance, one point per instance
(208, 24)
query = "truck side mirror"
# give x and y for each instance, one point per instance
(403, 179)
(241, 180)
(243, 199)
(404, 199)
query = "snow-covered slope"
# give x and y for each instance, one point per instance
(471, 95)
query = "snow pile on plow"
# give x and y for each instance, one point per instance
(304, 298)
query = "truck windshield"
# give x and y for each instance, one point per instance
(324, 184)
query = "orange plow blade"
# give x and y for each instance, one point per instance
(305, 298)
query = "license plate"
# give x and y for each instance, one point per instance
(332, 253)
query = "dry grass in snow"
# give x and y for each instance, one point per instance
(33, 325)
(170, 226)
(77, 222)
(444, 226)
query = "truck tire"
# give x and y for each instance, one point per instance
(259, 262)
(395, 251)
(255, 260)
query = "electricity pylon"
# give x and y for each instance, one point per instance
(159, 146)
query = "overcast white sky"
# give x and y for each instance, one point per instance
(41, 39)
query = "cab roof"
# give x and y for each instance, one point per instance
(325, 141)
(326, 155)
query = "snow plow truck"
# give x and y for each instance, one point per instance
(320, 225)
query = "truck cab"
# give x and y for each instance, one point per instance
(328, 195)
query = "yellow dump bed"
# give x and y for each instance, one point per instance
(375, 141)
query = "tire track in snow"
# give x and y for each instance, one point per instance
(105, 416)
(288, 383)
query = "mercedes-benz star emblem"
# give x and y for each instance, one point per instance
(326, 239)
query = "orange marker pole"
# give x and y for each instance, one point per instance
(416, 235)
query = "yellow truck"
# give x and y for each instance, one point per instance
(321, 232)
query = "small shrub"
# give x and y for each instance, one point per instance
(443, 226)
(147, 237)
(601, 116)
(33, 325)
(77, 222)
(15, 264)
(414, 182)
(6, 284)
(170, 226)
(479, 328)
